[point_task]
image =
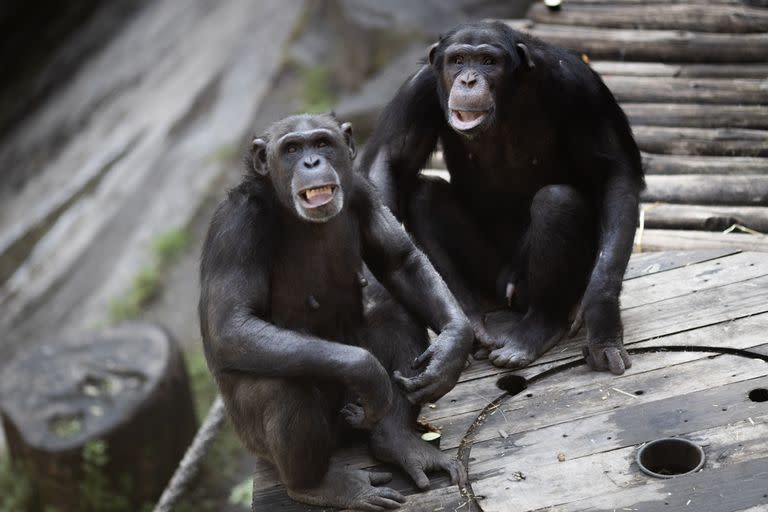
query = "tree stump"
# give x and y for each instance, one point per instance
(126, 386)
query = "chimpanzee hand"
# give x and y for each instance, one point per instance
(605, 334)
(369, 380)
(443, 362)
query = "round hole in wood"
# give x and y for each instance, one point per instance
(759, 395)
(670, 457)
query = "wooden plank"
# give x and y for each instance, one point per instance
(643, 264)
(684, 281)
(651, 45)
(659, 371)
(697, 115)
(657, 2)
(612, 67)
(607, 442)
(712, 18)
(714, 189)
(701, 141)
(736, 91)
(681, 239)
(683, 164)
(708, 218)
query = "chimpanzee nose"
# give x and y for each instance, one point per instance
(469, 80)
(311, 162)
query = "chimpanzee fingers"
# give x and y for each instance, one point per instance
(615, 361)
(385, 503)
(429, 393)
(422, 359)
(391, 494)
(418, 475)
(456, 471)
(379, 477)
(409, 384)
(625, 357)
(354, 415)
(597, 364)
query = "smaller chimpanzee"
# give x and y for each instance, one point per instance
(285, 332)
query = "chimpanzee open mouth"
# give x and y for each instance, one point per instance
(315, 197)
(467, 119)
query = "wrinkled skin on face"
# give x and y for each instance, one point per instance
(310, 166)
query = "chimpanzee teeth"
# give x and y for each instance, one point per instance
(312, 192)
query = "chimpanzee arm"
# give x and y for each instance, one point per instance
(234, 303)
(619, 184)
(407, 274)
(405, 135)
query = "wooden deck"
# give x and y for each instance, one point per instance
(568, 441)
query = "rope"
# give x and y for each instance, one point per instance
(190, 464)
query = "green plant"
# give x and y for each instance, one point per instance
(166, 247)
(317, 90)
(96, 490)
(16, 492)
(242, 493)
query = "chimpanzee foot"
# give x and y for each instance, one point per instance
(527, 342)
(416, 457)
(351, 489)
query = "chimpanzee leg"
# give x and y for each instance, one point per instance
(453, 243)
(395, 337)
(560, 248)
(294, 427)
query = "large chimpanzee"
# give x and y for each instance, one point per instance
(543, 198)
(285, 331)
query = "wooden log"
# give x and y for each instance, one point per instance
(702, 141)
(651, 45)
(707, 218)
(678, 164)
(612, 67)
(710, 190)
(697, 115)
(680, 239)
(712, 18)
(744, 91)
(126, 386)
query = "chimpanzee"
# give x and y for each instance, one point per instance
(540, 212)
(285, 330)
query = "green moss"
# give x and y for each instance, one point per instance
(317, 92)
(146, 286)
(66, 426)
(16, 491)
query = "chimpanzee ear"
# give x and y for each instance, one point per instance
(431, 53)
(259, 156)
(525, 55)
(347, 129)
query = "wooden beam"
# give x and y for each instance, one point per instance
(697, 115)
(708, 218)
(651, 45)
(685, 240)
(742, 91)
(681, 164)
(712, 18)
(702, 141)
(612, 67)
(713, 189)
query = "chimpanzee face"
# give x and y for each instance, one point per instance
(308, 159)
(473, 66)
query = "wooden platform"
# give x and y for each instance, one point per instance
(595, 422)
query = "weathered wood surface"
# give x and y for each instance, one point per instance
(737, 91)
(608, 67)
(651, 45)
(709, 18)
(697, 115)
(717, 297)
(702, 141)
(683, 239)
(706, 218)
(696, 164)
(720, 190)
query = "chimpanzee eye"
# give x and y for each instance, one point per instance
(322, 143)
(458, 59)
(290, 148)
(489, 61)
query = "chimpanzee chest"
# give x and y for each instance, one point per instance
(315, 284)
